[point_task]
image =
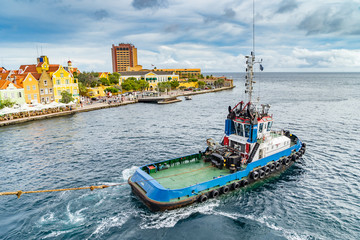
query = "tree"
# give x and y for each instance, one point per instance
(174, 84)
(104, 81)
(89, 79)
(66, 97)
(82, 89)
(220, 82)
(117, 77)
(143, 84)
(192, 80)
(114, 78)
(6, 103)
(201, 84)
(112, 90)
(164, 85)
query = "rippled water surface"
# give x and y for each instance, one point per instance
(318, 198)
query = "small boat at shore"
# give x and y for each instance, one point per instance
(188, 98)
(249, 151)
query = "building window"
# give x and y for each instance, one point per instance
(28, 88)
(59, 93)
(61, 74)
(46, 91)
(42, 99)
(34, 87)
(75, 91)
(29, 97)
(68, 90)
(45, 82)
(35, 96)
(47, 99)
(19, 94)
(50, 90)
(58, 82)
(67, 81)
(41, 91)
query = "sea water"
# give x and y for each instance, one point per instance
(317, 198)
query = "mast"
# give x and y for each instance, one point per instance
(250, 61)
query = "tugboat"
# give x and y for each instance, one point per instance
(250, 151)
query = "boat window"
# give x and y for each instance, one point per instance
(269, 126)
(240, 129)
(247, 130)
(261, 127)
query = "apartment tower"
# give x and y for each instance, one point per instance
(124, 56)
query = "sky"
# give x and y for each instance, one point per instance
(214, 35)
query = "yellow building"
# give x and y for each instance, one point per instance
(96, 91)
(64, 81)
(153, 78)
(104, 75)
(182, 72)
(31, 88)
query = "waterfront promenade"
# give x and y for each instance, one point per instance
(96, 106)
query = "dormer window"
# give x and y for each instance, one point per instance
(61, 74)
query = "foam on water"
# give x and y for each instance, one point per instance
(126, 173)
(168, 219)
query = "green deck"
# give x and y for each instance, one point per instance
(187, 174)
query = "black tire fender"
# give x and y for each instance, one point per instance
(261, 173)
(225, 189)
(203, 198)
(214, 193)
(255, 175)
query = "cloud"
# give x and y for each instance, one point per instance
(287, 6)
(142, 4)
(101, 14)
(329, 19)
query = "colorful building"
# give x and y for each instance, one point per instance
(11, 91)
(64, 81)
(153, 78)
(30, 83)
(182, 72)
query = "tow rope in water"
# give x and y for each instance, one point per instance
(19, 193)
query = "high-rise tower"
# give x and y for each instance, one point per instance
(123, 56)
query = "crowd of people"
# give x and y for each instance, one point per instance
(27, 114)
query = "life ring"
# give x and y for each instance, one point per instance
(243, 161)
(287, 160)
(264, 138)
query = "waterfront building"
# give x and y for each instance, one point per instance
(64, 81)
(153, 78)
(182, 72)
(73, 70)
(11, 91)
(104, 75)
(123, 56)
(30, 83)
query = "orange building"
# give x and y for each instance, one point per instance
(123, 57)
